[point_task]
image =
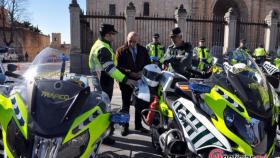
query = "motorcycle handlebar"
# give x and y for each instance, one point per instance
(11, 74)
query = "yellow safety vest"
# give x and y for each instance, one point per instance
(95, 65)
(206, 55)
(259, 52)
(153, 52)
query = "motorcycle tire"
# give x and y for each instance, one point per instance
(155, 143)
(1, 145)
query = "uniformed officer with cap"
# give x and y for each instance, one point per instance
(102, 59)
(155, 48)
(202, 55)
(179, 54)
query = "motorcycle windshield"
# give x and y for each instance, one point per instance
(48, 64)
(249, 83)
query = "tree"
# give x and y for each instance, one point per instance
(11, 13)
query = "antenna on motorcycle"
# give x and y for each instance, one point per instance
(64, 58)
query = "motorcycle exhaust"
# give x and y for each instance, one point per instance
(172, 143)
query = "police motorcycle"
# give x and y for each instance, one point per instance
(6, 83)
(233, 112)
(53, 113)
(271, 71)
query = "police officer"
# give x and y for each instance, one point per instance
(155, 49)
(178, 56)
(242, 46)
(202, 55)
(102, 58)
(260, 54)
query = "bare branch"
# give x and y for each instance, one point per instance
(14, 11)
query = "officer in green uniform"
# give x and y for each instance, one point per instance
(260, 54)
(102, 64)
(155, 49)
(202, 55)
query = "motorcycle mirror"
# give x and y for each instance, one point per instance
(11, 67)
(2, 78)
(152, 118)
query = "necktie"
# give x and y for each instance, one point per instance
(134, 55)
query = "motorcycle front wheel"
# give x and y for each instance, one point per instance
(155, 140)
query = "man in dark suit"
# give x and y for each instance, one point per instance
(131, 57)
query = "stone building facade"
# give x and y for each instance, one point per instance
(247, 9)
(221, 22)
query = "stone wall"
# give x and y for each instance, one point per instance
(32, 42)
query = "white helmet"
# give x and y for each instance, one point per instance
(151, 75)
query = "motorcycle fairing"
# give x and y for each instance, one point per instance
(96, 122)
(199, 132)
(13, 110)
(218, 100)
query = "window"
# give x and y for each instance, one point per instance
(112, 9)
(146, 9)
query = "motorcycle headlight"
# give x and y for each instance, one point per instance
(238, 125)
(75, 147)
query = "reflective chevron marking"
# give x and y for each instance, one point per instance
(229, 99)
(17, 112)
(200, 137)
(209, 136)
(86, 122)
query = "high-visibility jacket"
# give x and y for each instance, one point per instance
(203, 55)
(259, 52)
(109, 66)
(157, 50)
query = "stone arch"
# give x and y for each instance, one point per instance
(220, 7)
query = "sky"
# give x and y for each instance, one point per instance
(52, 16)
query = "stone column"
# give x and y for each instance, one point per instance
(130, 14)
(75, 35)
(271, 31)
(230, 30)
(181, 18)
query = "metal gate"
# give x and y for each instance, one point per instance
(210, 28)
(147, 26)
(90, 24)
(252, 31)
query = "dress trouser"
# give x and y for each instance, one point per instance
(139, 106)
(126, 98)
(127, 94)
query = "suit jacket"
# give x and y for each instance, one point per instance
(125, 59)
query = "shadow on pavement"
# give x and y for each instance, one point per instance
(110, 154)
(132, 141)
